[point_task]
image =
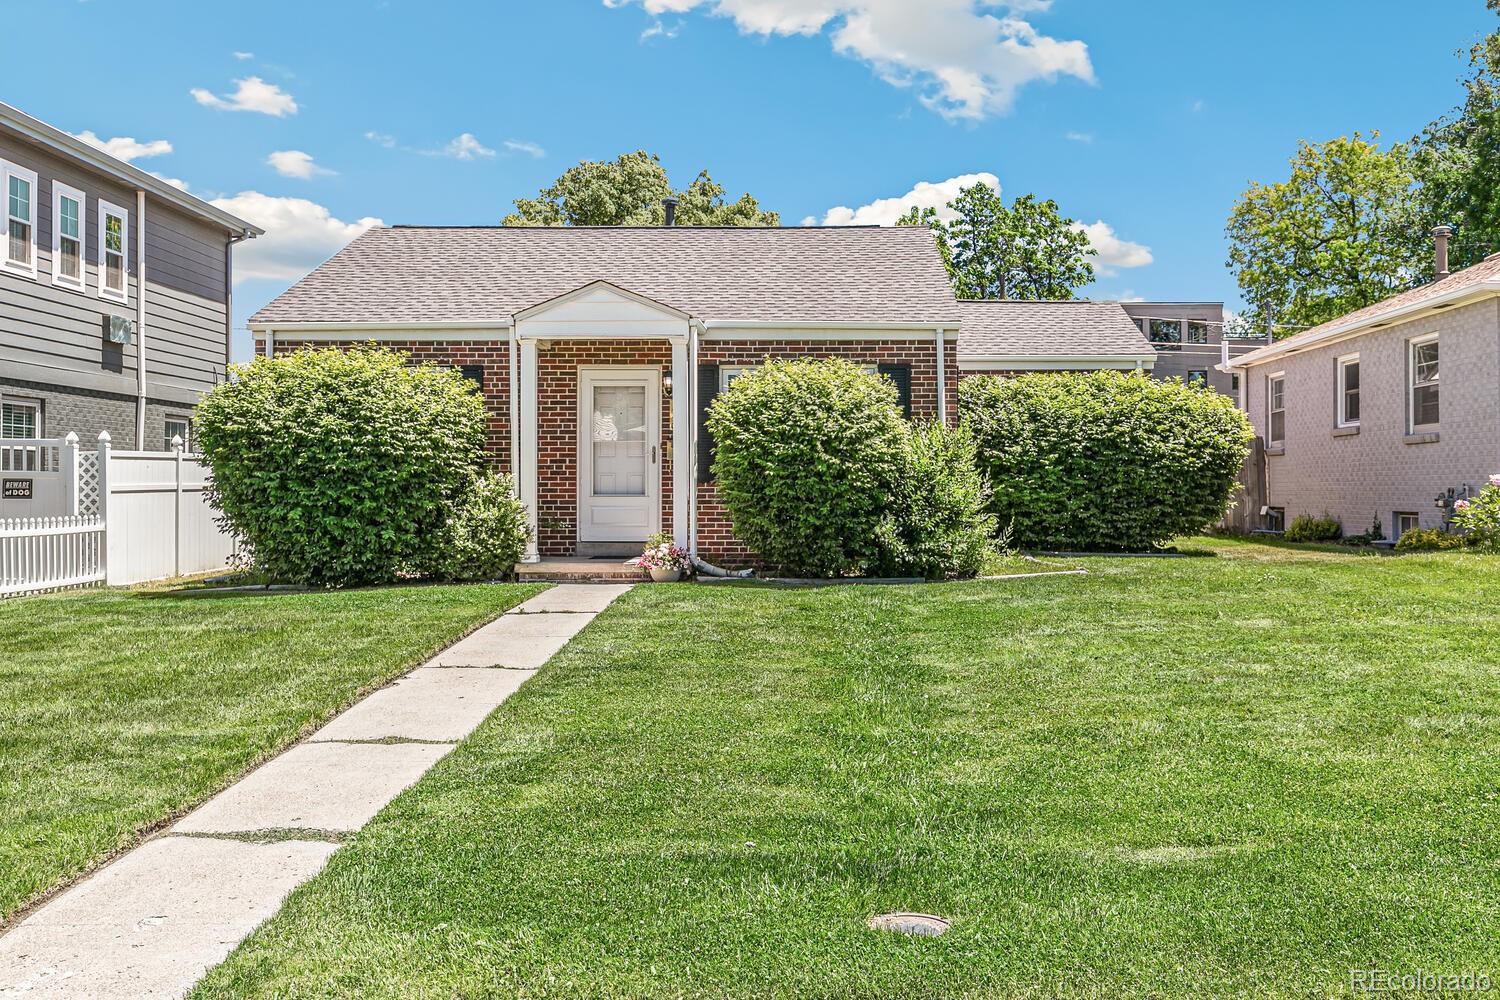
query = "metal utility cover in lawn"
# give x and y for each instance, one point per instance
(915, 924)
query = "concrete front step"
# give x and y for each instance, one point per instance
(579, 571)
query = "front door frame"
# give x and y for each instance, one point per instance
(589, 376)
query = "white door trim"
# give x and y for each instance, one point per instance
(590, 376)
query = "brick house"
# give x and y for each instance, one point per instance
(1353, 420)
(598, 350)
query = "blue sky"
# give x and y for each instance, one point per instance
(1148, 117)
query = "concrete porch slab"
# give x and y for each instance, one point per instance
(591, 598)
(316, 786)
(152, 923)
(579, 571)
(426, 704)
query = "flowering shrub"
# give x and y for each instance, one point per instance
(1479, 517)
(662, 554)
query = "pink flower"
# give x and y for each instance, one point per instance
(1495, 480)
(1460, 505)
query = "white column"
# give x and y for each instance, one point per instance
(526, 474)
(683, 378)
(942, 380)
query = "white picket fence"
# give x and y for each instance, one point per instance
(71, 518)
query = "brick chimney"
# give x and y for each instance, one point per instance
(1440, 250)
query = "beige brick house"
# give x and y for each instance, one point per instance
(1378, 414)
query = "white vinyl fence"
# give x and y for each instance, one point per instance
(70, 518)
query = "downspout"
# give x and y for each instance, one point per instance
(514, 407)
(140, 319)
(229, 299)
(942, 381)
(703, 568)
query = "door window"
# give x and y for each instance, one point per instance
(618, 438)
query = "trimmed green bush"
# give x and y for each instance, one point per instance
(340, 467)
(1314, 529)
(485, 534)
(808, 452)
(1104, 461)
(1478, 517)
(938, 526)
(1429, 540)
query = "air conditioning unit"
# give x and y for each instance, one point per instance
(119, 330)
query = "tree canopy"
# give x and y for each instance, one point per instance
(1336, 235)
(628, 191)
(1025, 250)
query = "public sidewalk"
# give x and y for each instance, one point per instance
(155, 920)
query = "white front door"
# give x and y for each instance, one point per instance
(619, 460)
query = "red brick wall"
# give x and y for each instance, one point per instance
(493, 355)
(716, 541)
(557, 431)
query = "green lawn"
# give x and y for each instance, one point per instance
(119, 709)
(1242, 775)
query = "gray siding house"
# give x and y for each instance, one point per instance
(1189, 341)
(1381, 412)
(114, 292)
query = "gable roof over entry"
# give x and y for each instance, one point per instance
(434, 275)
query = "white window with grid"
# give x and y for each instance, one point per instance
(177, 428)
(20, 219)
(1348, 390)
(114, 243)
(1276, 410)
(20, 418)
(67, 236)
(1422, 384)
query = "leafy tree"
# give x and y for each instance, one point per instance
(1335, 236)
(628, 191)
(1026, 250)
(1457, 161)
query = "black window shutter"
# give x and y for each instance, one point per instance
(900, 375)
(474, 373)
(708, 388)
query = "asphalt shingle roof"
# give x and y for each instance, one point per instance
(812, 274)
(1075, 329)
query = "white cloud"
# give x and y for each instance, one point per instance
(300, 235)
(660, 30)
(1084, 137)
(382, 139)
(1114, 253)
(529, 148)
(295, 163)
(251, 94)
(243, 56)
(967, 58)
(924, 194)
(465, 147)
(126, 147)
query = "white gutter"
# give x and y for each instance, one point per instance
(1390, 317)
(980, 362)
(513, 354)
(463, 325)
(694, 328)
(772, 324)
(40, 132)
(140, 319)
(942, 379)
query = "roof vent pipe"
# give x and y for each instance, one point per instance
(670, 205)
(1440, 250)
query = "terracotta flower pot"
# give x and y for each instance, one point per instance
(664, 575)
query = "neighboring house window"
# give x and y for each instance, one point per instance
(1234, 382)
(1197, 332)
(1348, 390)
(67, 236)
(1276, 518)
(19, 419)
(1406, 521)
(114, 238)
(178, 427)
(1423, 373)
(1276, 409)
(1166, 334)
(1198, 377)
(20, 218)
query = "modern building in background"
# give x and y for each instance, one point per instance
(1189, 341)
(114, 292)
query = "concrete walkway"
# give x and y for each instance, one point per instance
(154, 921)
